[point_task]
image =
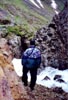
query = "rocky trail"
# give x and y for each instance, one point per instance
(12, 87)
(53, 43)
(41, 93)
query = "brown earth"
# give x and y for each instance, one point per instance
(43, 93)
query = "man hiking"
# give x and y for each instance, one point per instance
(31, 60)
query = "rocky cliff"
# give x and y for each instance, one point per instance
(53, 41)
(11, 87)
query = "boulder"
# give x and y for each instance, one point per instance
(5, 49)
(14, 43)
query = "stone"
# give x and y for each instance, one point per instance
(57, 77)
(46, 78)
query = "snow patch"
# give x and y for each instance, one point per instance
(40, 3)
(54, 6)
(17, 66)
(35, 3)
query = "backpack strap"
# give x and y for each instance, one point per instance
(31, 52)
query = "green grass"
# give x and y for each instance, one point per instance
(20, 30)
(23, 21)
(19, 4)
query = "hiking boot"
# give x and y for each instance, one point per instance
(32, 88)
(25, 84)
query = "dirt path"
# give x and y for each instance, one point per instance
(42, 93)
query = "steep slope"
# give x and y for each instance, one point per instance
(20, 18)
(25, 14)
(11, 87)
(19, 13)
(53, 41)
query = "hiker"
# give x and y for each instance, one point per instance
(31, 60)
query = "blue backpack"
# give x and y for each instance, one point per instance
(30, 62)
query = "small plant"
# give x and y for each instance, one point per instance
(14, 29)
(20, 30)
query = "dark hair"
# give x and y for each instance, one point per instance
(32, 42)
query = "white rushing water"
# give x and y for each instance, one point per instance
(48, 71)
(54, 6)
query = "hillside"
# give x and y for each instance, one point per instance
(25, 14)
(18, 13)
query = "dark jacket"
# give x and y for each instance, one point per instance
(31, 57)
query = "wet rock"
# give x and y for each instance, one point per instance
(61, 80)
(46, 78)
(57, 77)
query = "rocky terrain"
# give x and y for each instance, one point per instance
(12, 88)
(53, 41)
(17, 27)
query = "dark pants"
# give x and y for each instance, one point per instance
(33, 73)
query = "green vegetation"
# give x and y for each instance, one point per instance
(24, 17)
(26, 21)
(14, 29)
(20, 30)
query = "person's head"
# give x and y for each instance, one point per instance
(32, 42)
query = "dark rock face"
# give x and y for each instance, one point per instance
(53, 41)
(61, 23)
